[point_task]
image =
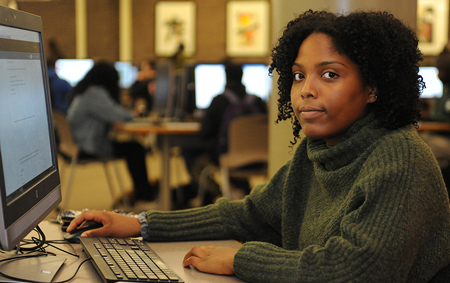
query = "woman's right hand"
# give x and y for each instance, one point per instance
(114, 224)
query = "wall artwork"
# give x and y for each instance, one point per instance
(247, 28)
(432, 25)
(175, 25)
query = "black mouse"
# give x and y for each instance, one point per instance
(74, 235)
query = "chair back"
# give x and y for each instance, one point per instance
(67, 146)
(247, 141)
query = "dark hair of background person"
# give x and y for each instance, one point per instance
(53, 52)
(101, 74)
(233, 72)
(387, 60)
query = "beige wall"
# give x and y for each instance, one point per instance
(103, 28)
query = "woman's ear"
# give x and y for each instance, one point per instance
(373, 95)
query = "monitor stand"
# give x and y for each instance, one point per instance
(41, 268)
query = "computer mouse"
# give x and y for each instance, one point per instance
(74, 235)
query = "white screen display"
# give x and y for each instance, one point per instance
(127, 73)
(433, 86)
(73, 70)
(210, 81)
(25, 139)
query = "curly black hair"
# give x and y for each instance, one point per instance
(384, 49)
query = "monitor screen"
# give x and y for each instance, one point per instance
(29, 178)
(163, 82)
(210, 81)
(433, 85)
(73, 70)
(127, 73)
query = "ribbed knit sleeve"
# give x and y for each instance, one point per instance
(194, 224)
(239, 220)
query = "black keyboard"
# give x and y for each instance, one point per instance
(131, 260)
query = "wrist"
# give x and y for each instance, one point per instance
(144, 225)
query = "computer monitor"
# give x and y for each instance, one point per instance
(127, 73)
(210, 81)
(29, 177)
(163, 81)
(433, 85)
(257, 80)
(73, 70)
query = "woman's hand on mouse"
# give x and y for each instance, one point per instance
(114, 224)
(216, 260)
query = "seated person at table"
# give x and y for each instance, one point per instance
(232, 103)
(60, 90)
(361, 200)
(143, 88)
(96, 105)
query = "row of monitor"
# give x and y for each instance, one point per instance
(209, 79)
(73, 70)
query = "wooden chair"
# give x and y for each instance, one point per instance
(69, 152)
(247, 150)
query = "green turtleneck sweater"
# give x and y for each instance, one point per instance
(373, 208)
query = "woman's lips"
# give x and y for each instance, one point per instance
(307, 112)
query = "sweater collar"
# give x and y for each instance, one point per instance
(357, 138)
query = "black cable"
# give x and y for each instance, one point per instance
(39, 242)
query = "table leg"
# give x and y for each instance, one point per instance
(164, 189)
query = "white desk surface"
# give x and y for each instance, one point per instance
(171, 253)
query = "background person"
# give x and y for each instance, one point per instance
(439, 142)
(143, 89)
(96, 105)
(232, 103)
(353, 204)
(60, 90)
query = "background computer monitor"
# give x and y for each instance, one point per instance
(433, 85)
(73, 70)
(163, 82)
(29, 178)
(210, 81)
(127, 73)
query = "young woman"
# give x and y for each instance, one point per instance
(362, 199)
(95, 107)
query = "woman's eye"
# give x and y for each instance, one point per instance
(298, 76)
(330, 75)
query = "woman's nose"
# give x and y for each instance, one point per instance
(308, 89)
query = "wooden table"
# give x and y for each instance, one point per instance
(433, 127)
(168, 131)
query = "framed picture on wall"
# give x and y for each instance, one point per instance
(247, 28)
(175, 25)
(432, 25)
